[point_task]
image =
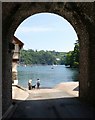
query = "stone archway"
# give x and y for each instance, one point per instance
(75, 13)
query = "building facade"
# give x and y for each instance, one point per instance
(15, 59)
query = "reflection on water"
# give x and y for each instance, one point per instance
(48, 75)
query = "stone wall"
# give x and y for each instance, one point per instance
(14, 72)
(0, 61)
(6, 76)
(80, 15)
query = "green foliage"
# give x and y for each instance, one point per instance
(76, 64)
(72, 57)
(41, 57)
(51, 57)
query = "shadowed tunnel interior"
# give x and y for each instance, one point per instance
(52, 108)
(82, 17)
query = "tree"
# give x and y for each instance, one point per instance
(72, 57)
(40, 57)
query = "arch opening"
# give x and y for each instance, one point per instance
(47, 31)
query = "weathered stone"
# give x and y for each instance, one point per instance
(82, 18)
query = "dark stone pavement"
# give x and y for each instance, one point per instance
(52, 107)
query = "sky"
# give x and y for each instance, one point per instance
(47, 31)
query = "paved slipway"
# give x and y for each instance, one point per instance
(58, 102)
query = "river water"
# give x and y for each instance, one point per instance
(49, 75)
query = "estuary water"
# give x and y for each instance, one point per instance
(49, 75)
